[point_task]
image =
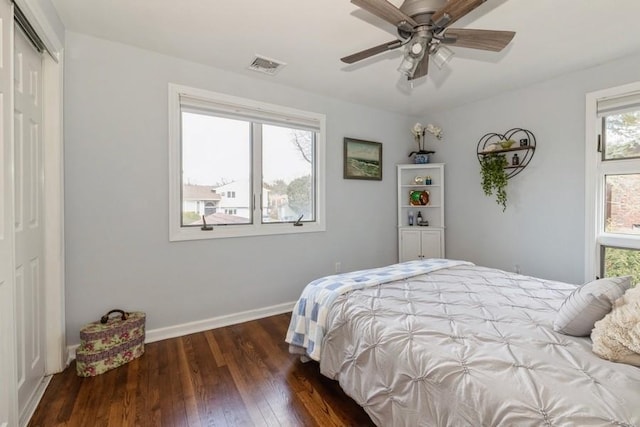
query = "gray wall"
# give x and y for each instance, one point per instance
(542, 229)
(117, 248)
(116, 188)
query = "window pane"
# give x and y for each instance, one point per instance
(622, 135)
(216, 176)
(622, 204)
(287, 174)
(621, 262)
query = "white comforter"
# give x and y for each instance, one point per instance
(472, 346)
(309, 316)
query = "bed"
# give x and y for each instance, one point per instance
(455, 344)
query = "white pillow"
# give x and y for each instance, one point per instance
(617, 336)
(588, 304)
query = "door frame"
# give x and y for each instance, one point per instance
(8, 344)
(56, 343)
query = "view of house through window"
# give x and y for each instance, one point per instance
(622, 204)
(217, 156)
(243, 167)
(216, 160)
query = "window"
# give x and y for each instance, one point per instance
(259, 168)
(613, 183)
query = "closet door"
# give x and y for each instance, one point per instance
(29, 229)
(8, 394)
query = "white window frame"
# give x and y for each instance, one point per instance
(258, 109)
(595, 172)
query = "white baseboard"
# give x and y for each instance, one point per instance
(31, 406)
(206, 324)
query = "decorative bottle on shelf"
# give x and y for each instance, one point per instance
(410, 217)
(419, 218)
(427, 181)
(515, 160)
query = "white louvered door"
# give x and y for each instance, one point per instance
(29, 230)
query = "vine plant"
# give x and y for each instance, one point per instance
(494, 177)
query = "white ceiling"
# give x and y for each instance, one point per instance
(553, 37)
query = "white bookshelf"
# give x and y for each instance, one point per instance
(416, 241)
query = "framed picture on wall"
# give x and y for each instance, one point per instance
(362, 159)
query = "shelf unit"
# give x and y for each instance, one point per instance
(526, 144)
(417, 242)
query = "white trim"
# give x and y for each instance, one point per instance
(242, 107)
(594, 182)
(628, 241)
(54, 220)
(41, 25)
(9, 413)
(178, 233)
(32, 405)
(206, 324)
(590, 199)
(174, 162)
(618, 104)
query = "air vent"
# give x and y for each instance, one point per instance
(266, 65)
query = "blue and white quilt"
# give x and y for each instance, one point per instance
(308, 320)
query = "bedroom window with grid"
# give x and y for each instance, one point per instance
(613, 182)
(260, 165)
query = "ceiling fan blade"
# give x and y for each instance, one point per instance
(422, 69)
(386, 11)
(454, 10)
(364, 54)
(478, 39)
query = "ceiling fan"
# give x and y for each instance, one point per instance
(422, 27)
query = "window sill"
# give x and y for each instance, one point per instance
(181, 234)
(625, 241)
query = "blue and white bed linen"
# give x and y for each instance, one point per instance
(308, 320)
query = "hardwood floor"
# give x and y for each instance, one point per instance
(240, 375)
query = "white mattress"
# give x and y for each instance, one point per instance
(472, 346)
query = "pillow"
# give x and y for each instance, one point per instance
(588, 304)
(617, 336)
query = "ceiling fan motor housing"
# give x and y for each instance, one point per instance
(415, 8)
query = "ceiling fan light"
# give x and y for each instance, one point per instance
(416, 48)
(413, 54)
(441, 56)
(408, 65)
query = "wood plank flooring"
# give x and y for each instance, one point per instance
(240, 375)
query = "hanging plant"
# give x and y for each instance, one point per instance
(494, 177)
